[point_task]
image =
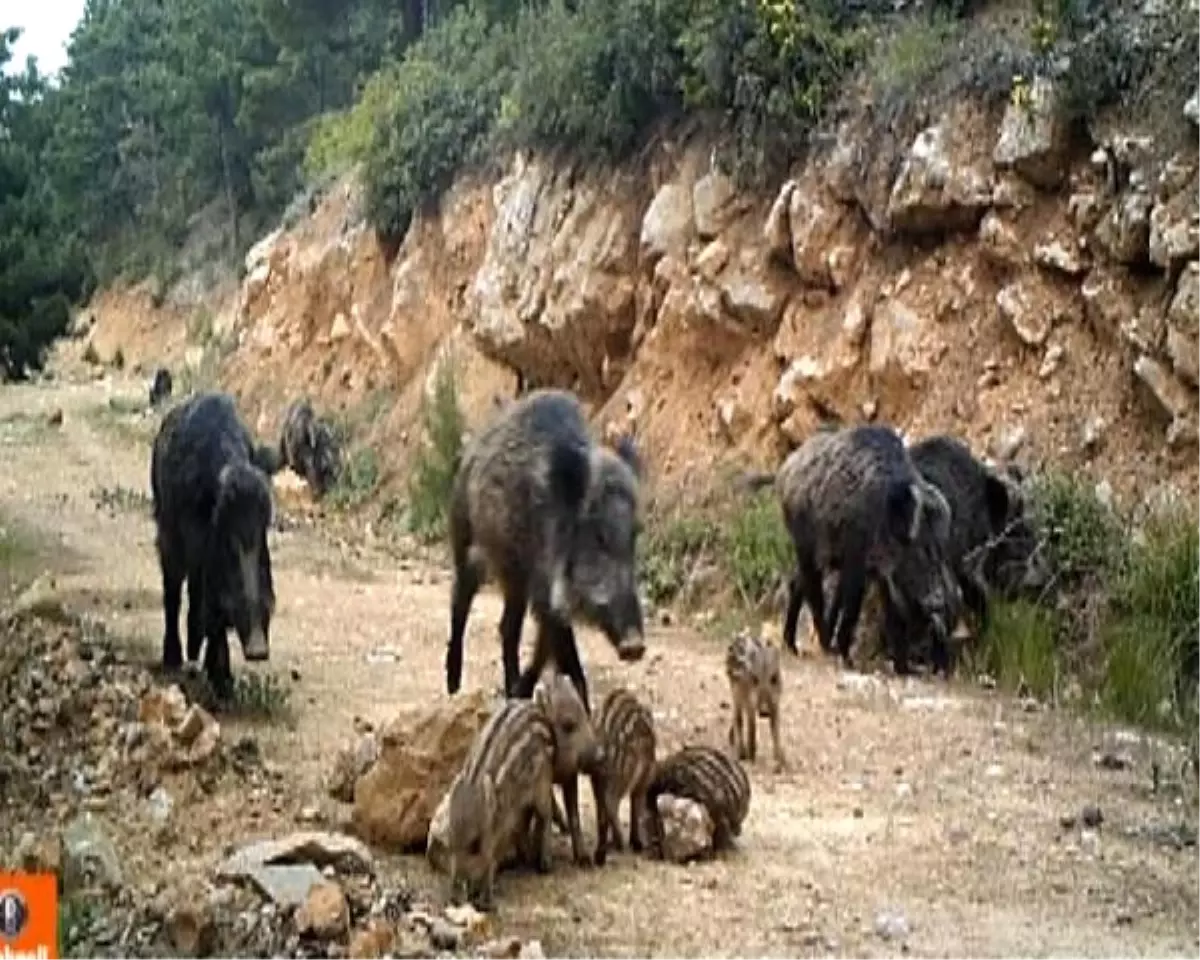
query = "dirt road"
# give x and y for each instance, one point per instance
(939, 803)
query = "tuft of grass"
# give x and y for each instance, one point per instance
(261, 695)
(78, 915)
(359, 478)
(436, 463)
(1085, 538)
(1020, 648)
(121, 498)
(918, 49)
(744, 538)
(19, 556)
(758, 548)
(669, 553)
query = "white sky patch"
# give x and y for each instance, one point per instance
(46, 26)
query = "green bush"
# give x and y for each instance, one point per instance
(590, 78)
(759, 549)
(771, 67)
(594, 78)
(905, 59)
(669, 551)
(359, 478)
(444, 98)
(432, 477)
(1122, 615)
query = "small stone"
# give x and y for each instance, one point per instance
(1093, 432)
(505, 948)
(466, 916)
(374, 941)
(55, 418)
(891, 925)
(1091, 816)
(1191, 109)
(532, 951)
(191, 929)
(1113, 761)
(445, 936)
(159, 804)
(324, 913)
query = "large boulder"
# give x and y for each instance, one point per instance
(669, 224)
(1124, 233)
(555, 294)
(420, 753)
(1035, 136)
(1183, 325)
(940, 188)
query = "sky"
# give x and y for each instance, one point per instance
(46, 28)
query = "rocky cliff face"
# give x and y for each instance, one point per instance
(991, 276)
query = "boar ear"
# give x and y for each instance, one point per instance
(936, 508)
(904, 511)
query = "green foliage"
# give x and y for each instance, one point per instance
(445, 95)
(359, 478)
(260, 695)
(1122, 615)
(771, 67)
(744, 538)
(432, 477)
(42, 268)
(1020, 648)
(759, 548)
(593, 76)
(1084, 537)
(669, 551)
(904, 60)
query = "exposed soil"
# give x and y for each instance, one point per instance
(942, 803)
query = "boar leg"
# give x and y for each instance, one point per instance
(462, 594)
(195, 614)
(637, 813)
(751, 721)
(777, 749)
(511, 621)
(570, 790)
(603, 820)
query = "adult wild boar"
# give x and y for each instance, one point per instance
(989, 528)
(854, 503)
(308, 445)
(552, 515)
(212, 507)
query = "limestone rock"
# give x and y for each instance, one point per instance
(815, 220)
(713, 259)
(420, 753)
(1031, 306)
(375, 940)
(1060, 257)
(668, 224)
(1124, 233)
(1175, 230)
(1174, 399)
(316, 847)
(752, 291)
(903, 343)
(999, 241)
(935, 192)
(1085, 209)
(352, 762)
(89, 856)
(325, 914)
(714, 201)
(1034, 136)
(557, 283)
(1108, 304)
(687, 829)
(1183, 325)
(777, 228)
(1191, 109)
